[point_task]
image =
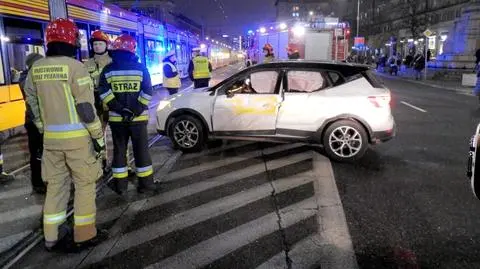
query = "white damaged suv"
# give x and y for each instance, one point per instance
(340, 106)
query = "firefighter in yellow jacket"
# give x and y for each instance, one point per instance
(60, 93)
(99, 43)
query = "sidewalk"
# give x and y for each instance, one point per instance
(409, 76)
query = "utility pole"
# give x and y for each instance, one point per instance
(358, 17)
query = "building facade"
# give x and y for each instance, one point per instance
(398, 25)
(303, 10)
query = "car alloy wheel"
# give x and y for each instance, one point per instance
(345, 142)
(186, 134)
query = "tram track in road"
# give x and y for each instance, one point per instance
(18, 251)
(25, 166)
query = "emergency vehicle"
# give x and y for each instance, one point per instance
(319, 41)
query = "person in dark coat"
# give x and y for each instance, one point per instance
(35, 138)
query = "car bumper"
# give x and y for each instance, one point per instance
(384, 136)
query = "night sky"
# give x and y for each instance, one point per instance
(235, 18)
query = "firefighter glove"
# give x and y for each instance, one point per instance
(99, 146)
(127, 115)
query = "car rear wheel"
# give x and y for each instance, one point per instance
(345, 141)
(187, 134)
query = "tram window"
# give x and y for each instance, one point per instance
(83, 45)
(2, 77)
(17, 54)
(159, 46)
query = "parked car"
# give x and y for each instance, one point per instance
(340, 106)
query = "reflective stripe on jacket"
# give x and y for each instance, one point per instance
(173, 82)
(200, 67)
(54, 87)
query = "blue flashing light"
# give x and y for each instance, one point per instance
(250, 32)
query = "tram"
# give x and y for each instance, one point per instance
(22, 29)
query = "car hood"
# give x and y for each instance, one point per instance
(186, 93)
(192, 90)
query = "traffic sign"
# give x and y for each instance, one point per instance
(359, 41)
(427, 33)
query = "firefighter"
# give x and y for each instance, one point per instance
(269, 56)
(4, 177)
(35, 138)
(292, 53)
(171, 77)
(99, 42)
(59, 92)
(125, 87)
(199, 69)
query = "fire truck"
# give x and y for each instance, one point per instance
(313, 41)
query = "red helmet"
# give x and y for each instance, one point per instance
(268, 47)
(100, 36)
(125, 42)
(62, 30)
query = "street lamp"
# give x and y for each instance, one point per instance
(299, 30)
(358, 16)
(283, 26)
(263, 30)
(311, 13)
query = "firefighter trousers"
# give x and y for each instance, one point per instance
(172, 91)
(35, 147)
(59, 167)
(121, 133)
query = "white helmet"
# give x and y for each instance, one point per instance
(170, 53)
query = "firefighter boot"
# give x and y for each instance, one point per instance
(147, 186)
(64, 242)
(119, 186)
(4, 177)
(101, 236)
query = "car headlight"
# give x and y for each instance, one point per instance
(163, 104)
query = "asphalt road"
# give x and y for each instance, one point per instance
(408, 201)
(407, 204)
(20, 209)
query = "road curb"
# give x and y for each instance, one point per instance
(463, 90)
(334, 232)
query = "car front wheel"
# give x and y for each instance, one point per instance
(345, 141)
(187, 134)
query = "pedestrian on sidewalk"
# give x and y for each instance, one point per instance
(476, 90)
(125, 87)
(4, 177)
(59, 91)
(419, 65)
(35, 138)
(171, 76)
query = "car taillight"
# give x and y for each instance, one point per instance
(380, 101)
